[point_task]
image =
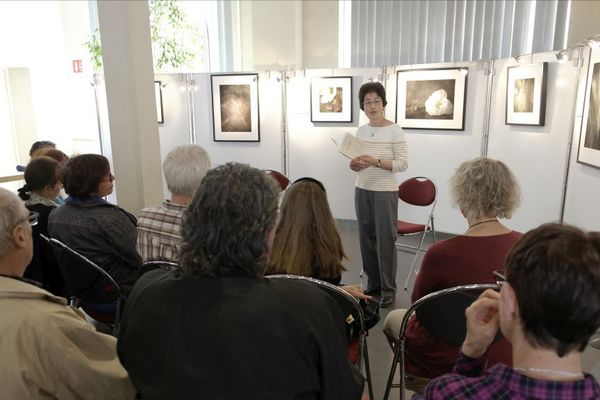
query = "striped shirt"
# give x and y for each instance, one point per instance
(159, 232)
(470, 380)
(385, 143)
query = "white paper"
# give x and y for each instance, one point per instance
(351, 146)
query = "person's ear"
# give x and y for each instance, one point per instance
(21, 233)
(510, 306)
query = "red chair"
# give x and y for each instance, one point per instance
(280, 178)
(421, 192)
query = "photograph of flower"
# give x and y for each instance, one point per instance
(431, 98)
(331, 99)
(589, 142)
(526, 94)
(235, 108)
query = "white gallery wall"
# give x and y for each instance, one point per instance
(538, 155)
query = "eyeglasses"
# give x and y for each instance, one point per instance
(32, 218)
(375, 102)
(500, 276)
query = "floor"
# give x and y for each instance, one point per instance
(379, 351)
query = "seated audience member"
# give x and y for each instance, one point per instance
(48, 349)
(216, 329)
(62, 158)
(484, 190)
(39, 193)
(103, 232)
(35, 149)
(307, 241)
(159, 228)
(548, 308)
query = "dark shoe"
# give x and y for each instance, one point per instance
(387, 302)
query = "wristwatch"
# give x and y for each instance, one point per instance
(379, 163)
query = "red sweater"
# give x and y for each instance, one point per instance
(461, 260)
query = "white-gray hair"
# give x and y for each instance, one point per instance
(11, 211)
(184, 168)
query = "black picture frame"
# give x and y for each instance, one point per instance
(526, 87)
(339, 108)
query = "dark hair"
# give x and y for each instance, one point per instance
(82, 174)
(39, 173)
(368, 88)
(225, 229)
(39, 145)
(555, 273)
(53, 153)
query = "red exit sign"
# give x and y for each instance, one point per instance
(77, 66)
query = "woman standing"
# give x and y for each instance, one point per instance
(376, 193)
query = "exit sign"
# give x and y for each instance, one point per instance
(77, 66)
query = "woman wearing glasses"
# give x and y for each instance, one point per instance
(376, 193)
(485, 191)
(103, 232)
(41, 189)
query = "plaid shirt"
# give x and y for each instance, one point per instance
(470, 381)
(159, 232)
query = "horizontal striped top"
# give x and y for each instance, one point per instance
(386, 143)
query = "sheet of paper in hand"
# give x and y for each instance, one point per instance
(351, 146)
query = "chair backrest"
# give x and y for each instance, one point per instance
(84, 278)
(280, 178)
(158, 264)
(349, 305)
(418, 191)
(442, 313)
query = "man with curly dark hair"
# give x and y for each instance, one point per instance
(215, 329)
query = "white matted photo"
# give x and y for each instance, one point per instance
(589, 141)
(526, 94)
(431, 98)
(331, 99)
(235, 108)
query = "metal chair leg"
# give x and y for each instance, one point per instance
(397, 354)
(365, 350)
(414, 262)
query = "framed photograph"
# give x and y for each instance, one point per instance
(235, 108)
(331, 99)
(589, 141)
(159, 104)
(431, 98)
(526, 94)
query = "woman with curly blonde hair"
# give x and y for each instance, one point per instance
(307, 241)
(485, 190)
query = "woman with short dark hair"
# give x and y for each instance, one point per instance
(103, 232)
(376, 193)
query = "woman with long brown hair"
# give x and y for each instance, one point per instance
(307, 241)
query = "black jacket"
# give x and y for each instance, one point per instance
(234, 338)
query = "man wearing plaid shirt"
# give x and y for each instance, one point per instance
(159, 236)
(548, 308)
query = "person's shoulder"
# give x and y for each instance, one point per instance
(303, 293)
(456, 386)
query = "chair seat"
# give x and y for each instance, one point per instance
(406, 228)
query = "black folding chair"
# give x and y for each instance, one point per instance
(91, 286)
(442, 314)
(158, 264)
(347, 301)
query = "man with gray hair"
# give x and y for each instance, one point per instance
(48, 349)
(216, 329)
(159, 228)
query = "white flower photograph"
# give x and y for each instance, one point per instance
(431, 99)
(331, 99)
